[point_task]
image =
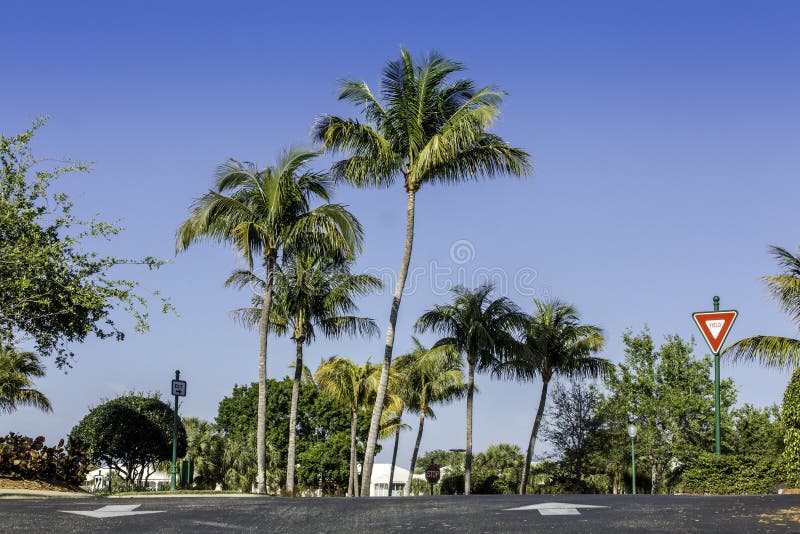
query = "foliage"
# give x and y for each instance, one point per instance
(206, 447)
(776, 351)
(791, 422)
(452, 460)
(503, 461)
(53, 291)
(30, 459)
(326, 461)
(731, 474)
(669, 395)
(16, 387)
(758, 431)
(129, 434)
(574, 425)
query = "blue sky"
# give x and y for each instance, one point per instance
(664, 138)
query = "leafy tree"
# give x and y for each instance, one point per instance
(483, 331)
(16, 387)
(758, 431)
(791, 421)
(427, 128)
(430, 376)
(574, 425)
(311, 295)
(776, 351)
(453, 461)
(53, 291)
(206, 447)
(503, 461)
(267, 213)
(555, 344)
(669, 395)
(129, 434)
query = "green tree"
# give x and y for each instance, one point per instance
(427, 128)
(17, 368)
(791, 421)
(452, 460)
(776, 351)
(758, 431)
(555, 343)
(205, 445)
(483, 331)
(503, 461)
(430, 377)
(669, 395)
(53, 291)
(312, 296)
(129, 434)
(266, 213)
(574, 425)
(352, 386)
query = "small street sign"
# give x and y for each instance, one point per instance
(179, 388)
(715, 326)
(432, 474)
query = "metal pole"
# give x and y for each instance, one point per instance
(633, 465)
(716, 391)
(174, 438)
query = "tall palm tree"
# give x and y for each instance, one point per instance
(353, 386)
(426, 128)
(483, 331)
(431, 376)
(555, 343)
(392, 421)
(776, 351)
(265, 213)
(17, 368)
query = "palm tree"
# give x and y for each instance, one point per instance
(353, 386)
(431, 376)
(776, 351)
(554, 344)
(483, 331)
(265, 213)
(428, 128)
(16, 387)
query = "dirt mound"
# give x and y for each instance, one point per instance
(18, 483)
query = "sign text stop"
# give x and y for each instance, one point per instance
(432, 474)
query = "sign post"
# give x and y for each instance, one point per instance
(178, 390)
(715, 327)
(432, 474)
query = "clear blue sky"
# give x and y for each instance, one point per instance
(664, 135)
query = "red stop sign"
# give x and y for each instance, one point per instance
(432, 474)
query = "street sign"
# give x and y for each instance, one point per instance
(179, 388)
(715, 326)
(432, 474)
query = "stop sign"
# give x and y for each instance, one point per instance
(432, 474)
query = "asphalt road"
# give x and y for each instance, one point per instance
(640, 513)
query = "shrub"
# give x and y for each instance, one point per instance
(732, 474)
(791, 421)
(30, 459)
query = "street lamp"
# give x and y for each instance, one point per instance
(632, 430)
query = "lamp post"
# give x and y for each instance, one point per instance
(632, 430)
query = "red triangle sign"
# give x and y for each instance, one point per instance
(715, 326)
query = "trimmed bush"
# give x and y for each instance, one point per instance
(731, 474)
(791, 421)
(30, 459)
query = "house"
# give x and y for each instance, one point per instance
(379, 483)
(97, 479)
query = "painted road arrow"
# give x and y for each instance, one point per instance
(556, 508)
(114, 510)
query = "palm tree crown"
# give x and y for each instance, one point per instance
(16, 387)
(776, 351)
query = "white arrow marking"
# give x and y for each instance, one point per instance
(715, 326)
(114, 510)
(556, 508)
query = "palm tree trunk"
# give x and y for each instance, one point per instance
(394, 453)
(468, 455)
(263, 334)
(526, 469)
(290, 455)
(351, 486)
(377, 409)
(416, 451)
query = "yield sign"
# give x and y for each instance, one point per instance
(715, 326)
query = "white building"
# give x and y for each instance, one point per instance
(97, 479)
(379, 483)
